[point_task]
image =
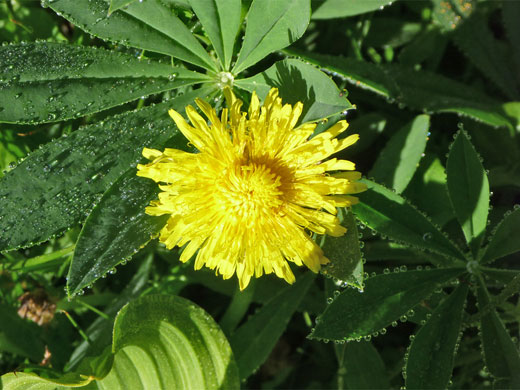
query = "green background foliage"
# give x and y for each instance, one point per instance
(422, 291)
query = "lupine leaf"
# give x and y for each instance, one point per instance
(391, 215)
(501, 242)
(221, 20)
(385, 299)
(57, 185)
(148, 25)
(271, 25)
(431, 356)
(330, 9)
(47, 82)
(299, 82)
(398, 161)
(468, 188)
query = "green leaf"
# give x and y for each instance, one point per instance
(12, 148)
(47, 82)
(430, 360)
(149, 25)
(30, 381)
(344, 253)
(299, 82)
(417, 89)
(447, 14)
(400, 157)
(253, 341)
(510, 15)
(331, 9)
(117, 4)
(386, 298)
(391, 215)
(500, 352)
(19, 336)
(115, 230)
(56, 186)
(271, 25)
(468, 188)
(359, 356)
(501, 242)
(221, 21)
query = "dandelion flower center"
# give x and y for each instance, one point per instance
(247, 202)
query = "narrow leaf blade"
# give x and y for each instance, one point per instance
(331, 9)
(501, 243)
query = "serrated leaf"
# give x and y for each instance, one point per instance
(430, 360)
(331, 9)
(417, 89)
(501, 242)
(344, 253)
(221, 21)
(400, 157)
(500, 352)
(299, 82)
(468, 188)
(56, 186)
(47, 82)
(115, 230)
(271, 25)
(254, 340)
(386, 298)
(148, 25)
(391, 215)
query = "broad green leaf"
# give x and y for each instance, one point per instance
(148, 25)
(254, 340)
(417, 89)
(468, 188)
(502, 242)
(331, 9)
(356, 358)
(500, 352)
(30, 381)
(344, 253)
(221, 21)
(19, 336)
(271, 25)
(299, 82)
(400, 157)
(432, 352)
(391, 215)
(57, 185)
(167, 342)
(386, 298)
(115, 230)
(475, 39)
(117, 4)
(47, 82)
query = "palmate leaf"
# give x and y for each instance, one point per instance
(159, 342)
(56, 186)
(299, 82)
(148, 25)
(430, 360)
(330, 9)
(468, 188)
(501, 242)
(47, 82)
(386, 298)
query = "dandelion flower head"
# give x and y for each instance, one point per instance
(247, 203)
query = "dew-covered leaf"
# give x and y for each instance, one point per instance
(271, 25)
(57, 185)
(400, 157)
(221, 21)
(386, 298)
(500, 352)
(299, 82)
(115, 230)
(149, 25)
(331, 9)
(47, 82)
(432, 352)
(344, 253)
(502, 242)
(117, 4)
(254, 340)
(468, 188)
(391, 215)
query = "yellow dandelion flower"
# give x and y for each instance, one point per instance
(248, 201)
